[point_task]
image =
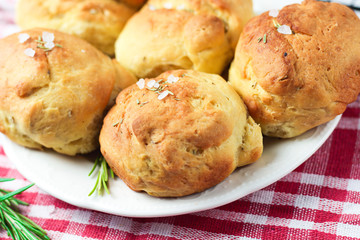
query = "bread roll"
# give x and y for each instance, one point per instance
(190, 34)
(180, 143)
(96, 21)
(302, 74)
(53, 90)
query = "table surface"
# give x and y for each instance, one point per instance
(318, 200)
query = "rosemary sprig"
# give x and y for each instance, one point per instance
(17, 225)
(102, 177)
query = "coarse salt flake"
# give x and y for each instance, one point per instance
(273, 13)
(29, 52)
(48, 37)
(23, 37)
(284, 29)
(180, 7)
(141, 83)
(151, 83)
(82, 50)
(49, 45)
(163, 94)
(168, 5)
(172, 79)
(156, 85)
(152, 7)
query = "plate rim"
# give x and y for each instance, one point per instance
(327, 129)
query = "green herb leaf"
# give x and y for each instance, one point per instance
(6, 180)
(276, 24)
(143, 103)
(102, 179)
(11, 194)
(17, 225)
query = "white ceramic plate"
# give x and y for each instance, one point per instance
(66, 177)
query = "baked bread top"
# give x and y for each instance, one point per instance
(233, 13)
(54, 88)
(302, 74)
(181, 142)
(191, 34)
(96, 21)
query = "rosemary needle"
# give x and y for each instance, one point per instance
(6, 179)
(11, 194)
(102, 177)
(17, 225)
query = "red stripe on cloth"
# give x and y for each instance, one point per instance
(274, 232)
(209, 225)
(281, 211)
(300, 168)
(131, 236)
(28, 197)
(309, 190)
(237, 206)
(333, 194)
(2, 150)
(54, 224)
(13, 173)
(4, 172)
(92, 231)
(318, 162)
(325, 216)
(287, 187)
(60, 204)
(321, 235)
(352, 112)
(339, 164)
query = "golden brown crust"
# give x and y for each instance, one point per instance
(184, 143)
(56, 98)
(295, 82)
(96, 21)
(191, 34)
(123, 79)
(133, 3)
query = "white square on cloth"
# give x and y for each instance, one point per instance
(301, 224)
(351, 208)
(348, 230)
(81, 216)
(353, 185)
(256, 219)
(311, 202)
(262, 196)
(314, 179)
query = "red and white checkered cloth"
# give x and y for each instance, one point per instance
(319, 200)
